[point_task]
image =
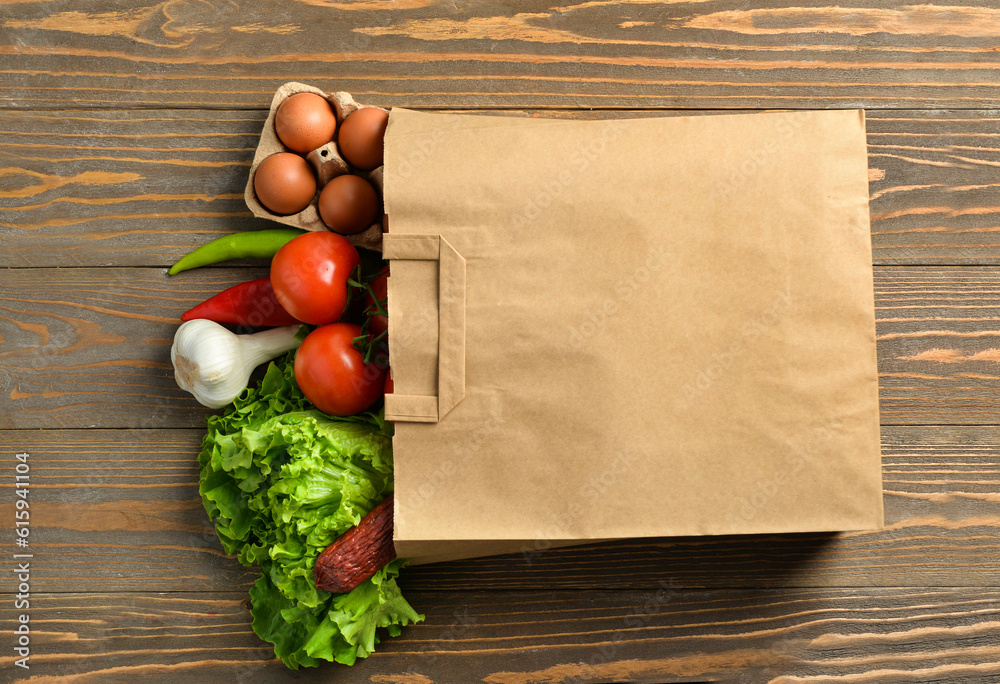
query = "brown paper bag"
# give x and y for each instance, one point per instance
(629, 328)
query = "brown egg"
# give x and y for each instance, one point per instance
(285, 183)
(348, 204)
(361, 138)
(304, 122)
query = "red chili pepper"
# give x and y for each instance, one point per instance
(252, 303)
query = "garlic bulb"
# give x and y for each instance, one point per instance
(215, 365)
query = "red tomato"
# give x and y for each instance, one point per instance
(389, 385)
(309, 275)
(332, 373)
(381, 288)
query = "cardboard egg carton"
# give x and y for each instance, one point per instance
(326, 161)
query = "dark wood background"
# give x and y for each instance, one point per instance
(126, 134)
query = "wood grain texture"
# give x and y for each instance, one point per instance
(863, 636)
(123, 188)
(603, 53)
(938, 339)
(121, 509)
(90, 347)
(933, 182)
(142, 188)
(117, 510)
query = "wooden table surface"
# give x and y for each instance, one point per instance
(126, 134)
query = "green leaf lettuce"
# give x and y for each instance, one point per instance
(281, 481)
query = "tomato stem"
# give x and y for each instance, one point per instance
(365, 343)
(368, 345)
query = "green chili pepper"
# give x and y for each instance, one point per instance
(260, 244)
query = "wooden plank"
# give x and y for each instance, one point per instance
(142, 188)
(879, 636)
(714, 54)
(933, 180)
(120, 509)
(938, 344)
(122, 188)
(116, 509)
(90, 347)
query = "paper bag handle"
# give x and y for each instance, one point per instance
(451, 327)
